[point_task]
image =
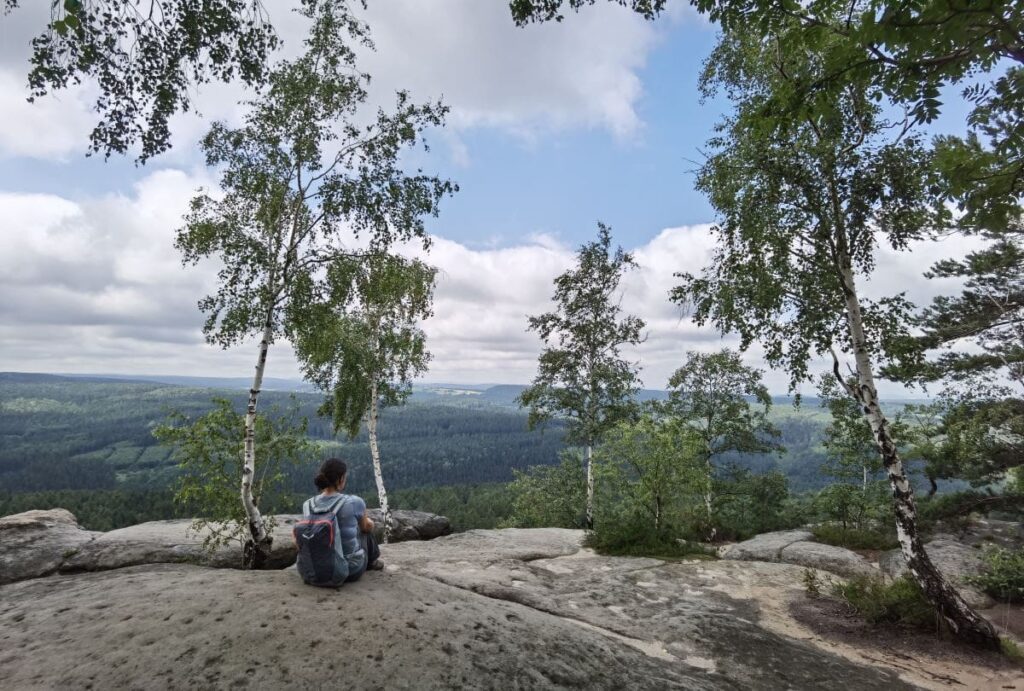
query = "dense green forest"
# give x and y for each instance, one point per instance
(86, 444)
(60, 433)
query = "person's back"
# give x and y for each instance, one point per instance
(349, 516)
(353, 541)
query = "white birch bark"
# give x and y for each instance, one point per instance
(708, 501)
(588, 455)
(257, 529)
(955, 612)
(378, 476)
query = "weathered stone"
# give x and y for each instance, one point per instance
(36, 543)
(954, 559)
(837, 560)
(765, 547)
(171, 542)
(484, 609)
(410, 525)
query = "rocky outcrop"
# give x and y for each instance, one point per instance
(953, 558)
(837, 560)
(765, 547)
(484, 609)
(38, 543)
(410, 525)
(797, 547)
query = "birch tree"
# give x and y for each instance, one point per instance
(364, 345)
(581, 373)
(302, 185)
(806, 192)
(711, 394)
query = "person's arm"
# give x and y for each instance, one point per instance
(366, 524)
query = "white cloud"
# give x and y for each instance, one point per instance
(95, 286)
(54, 127)
(528, 81)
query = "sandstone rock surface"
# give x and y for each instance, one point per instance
(797, 547)
(765, 547)
(953, 558)
(484, 609)
(38, 543)
(836, 560)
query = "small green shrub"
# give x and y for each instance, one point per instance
(1002, 577)
(899, 602)
(645, 544)
(1011, 650)
(812, 583)
(855, 538)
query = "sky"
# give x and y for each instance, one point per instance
(552, 128)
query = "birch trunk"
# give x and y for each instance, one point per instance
(962, 621)
(257, 547)
(708, 502)
(588, 455)
(864, 482)
(378, 476)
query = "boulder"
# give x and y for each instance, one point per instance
(36, 543)
(410, 525)
(954, 559)
(765, 547)
(523, 609)
(837, 560)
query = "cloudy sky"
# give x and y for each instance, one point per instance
(552, 128)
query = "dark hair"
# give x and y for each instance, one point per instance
(332, 471)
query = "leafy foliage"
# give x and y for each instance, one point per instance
(747, 503)
(209, 451)
(365, 340)
(1002, 576)
(549, 496)
(910, 54)
(147, 59)
(647, 469)
(301, 182)
(900, 602)
(856, 538)
(581, 373)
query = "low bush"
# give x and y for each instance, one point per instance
(1002, 577)
(645, 544)
(855, 538)
(900, 602)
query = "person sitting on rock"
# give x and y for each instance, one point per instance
(355, 541)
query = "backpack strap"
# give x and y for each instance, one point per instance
(337, 506)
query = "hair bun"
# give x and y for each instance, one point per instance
(320, 481)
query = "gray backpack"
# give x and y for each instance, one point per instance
(318, 561)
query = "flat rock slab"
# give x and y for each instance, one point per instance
(38, 543)
(765, 547)
(486, 609)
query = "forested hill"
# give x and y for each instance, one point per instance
(59, 432)
(77, 432)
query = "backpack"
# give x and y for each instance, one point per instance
(318, 561)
